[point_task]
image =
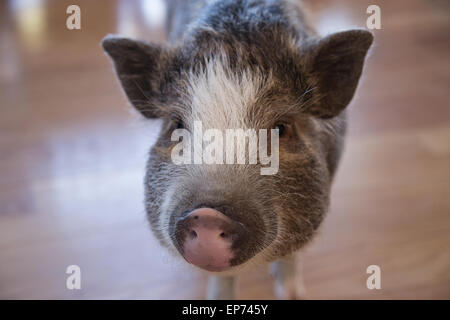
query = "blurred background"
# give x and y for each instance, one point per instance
(72, 158)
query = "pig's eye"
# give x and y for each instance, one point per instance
(179, 124)
(281, 129)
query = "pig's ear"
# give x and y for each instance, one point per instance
(140, 68)
(334, 65)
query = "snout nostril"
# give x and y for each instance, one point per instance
(193, 234)
(223, 235)
(196, 217)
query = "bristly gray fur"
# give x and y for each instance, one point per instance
(253, 64)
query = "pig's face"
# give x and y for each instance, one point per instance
(221, 217)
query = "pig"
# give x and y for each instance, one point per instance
(251, 64)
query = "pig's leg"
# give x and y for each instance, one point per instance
(220, 288)
(288, 278)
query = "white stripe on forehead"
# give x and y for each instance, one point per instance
(221, 98)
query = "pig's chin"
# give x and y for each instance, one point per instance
(212, 268)
(222, 270)
(217, 264)
(223, 266)
(217, 261)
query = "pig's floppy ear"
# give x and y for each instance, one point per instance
(140, 68)
(334, 65)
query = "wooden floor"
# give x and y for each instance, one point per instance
(72, 159)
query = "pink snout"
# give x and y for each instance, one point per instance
(208, 238)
